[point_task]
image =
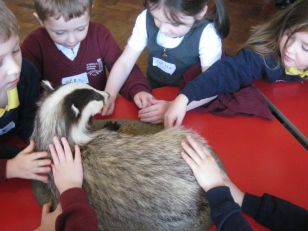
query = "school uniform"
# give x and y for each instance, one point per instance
(168, 57)
(18, 122)
(91, 59)
(270, 211)
(231, 73)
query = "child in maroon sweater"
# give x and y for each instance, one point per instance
(69, 48)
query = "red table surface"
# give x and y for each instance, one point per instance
(259, 155)
(291, 99)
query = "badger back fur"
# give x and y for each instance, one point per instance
(133, 182)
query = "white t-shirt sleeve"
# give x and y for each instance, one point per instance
(210, 47)
(138, 39)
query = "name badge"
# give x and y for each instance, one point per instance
(81, 78)
(7, 128)
(164, 66)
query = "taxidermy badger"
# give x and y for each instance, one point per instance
(134, 182)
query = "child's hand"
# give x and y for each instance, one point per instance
(48, 220)
(29, 165)
(143, 99)
(155, 113)
(176, 111)
(109, 107)
(203, 165)
(67, 171)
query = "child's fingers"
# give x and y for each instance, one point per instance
(202, 152)
(54, 155)
(29, 148)
(191, 152)
(67, 149)
(46, 208)
(59, 149)
(38, 155)
(190, 162)
(43, 178)
(42, 170)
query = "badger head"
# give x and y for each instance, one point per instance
(67, 112)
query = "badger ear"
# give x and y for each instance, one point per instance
(75, 110)
(46, 85)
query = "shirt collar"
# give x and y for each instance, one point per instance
(13, 101)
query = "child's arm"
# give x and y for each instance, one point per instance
(225, 213)
(118, 75)
(29, 165)
(68, 176)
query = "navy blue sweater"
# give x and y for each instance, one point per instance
(231, 73)
(268, 210)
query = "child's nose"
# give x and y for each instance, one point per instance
(164, 28)
(72, 38)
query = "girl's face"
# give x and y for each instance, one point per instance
(295, 52)
(169, 27)
(10, 63)
(67, 33)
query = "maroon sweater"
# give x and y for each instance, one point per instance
(97, 52)
(77, 214)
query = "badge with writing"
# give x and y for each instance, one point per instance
(81, 78)
(164, 66)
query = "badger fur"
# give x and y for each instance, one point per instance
(133, 182)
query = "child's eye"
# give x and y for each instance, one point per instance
(81, 28)
(59, 32)
(305, 48)
(17, 50)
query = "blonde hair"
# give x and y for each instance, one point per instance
(265, 38)
(8, 23)
(67, 9)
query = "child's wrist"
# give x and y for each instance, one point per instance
(10, 169)
(68, 186)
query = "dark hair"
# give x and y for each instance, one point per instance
(218, 15)
(265, 38)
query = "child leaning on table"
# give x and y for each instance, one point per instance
(178, 35)
(68, 47)
(276, 51)
(19, 91)
(227, 201)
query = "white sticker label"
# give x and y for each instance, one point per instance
(7, 128)
(164, 66)
(81, 78)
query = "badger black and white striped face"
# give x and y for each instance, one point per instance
(70, 108)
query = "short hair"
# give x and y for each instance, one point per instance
(8, 23)
(67, 9)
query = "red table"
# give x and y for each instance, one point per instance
(259, 155)
(289, 101)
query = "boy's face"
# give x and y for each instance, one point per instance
(295, 52)
(10, 63)
(68, 33)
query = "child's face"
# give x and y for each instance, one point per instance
(10, 63)
(170, 28)
(295, 53)
(68, 33)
